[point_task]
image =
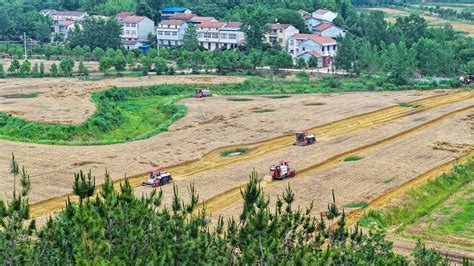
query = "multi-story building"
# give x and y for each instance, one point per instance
(231, 36)
(324, 14)
(62, 28)
(326, 47)
(182, 16)
(311, 22)
(122, 15)
(168, 12)
(208, 34)
(58, 16)
(328, 29)
(198, 20)
(170, 33)
(280, 33)
(137, 28)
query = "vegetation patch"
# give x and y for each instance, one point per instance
(388, 180)
(353, 158)
(408, 105)
(423, 200)
(235, 152)
(21, 95)
(277, 96)
(240, 99)
(262, 110)
(361, 204)
(314, 104)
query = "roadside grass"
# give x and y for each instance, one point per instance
(262, 110)
(423, 200)
(361, 204)
(21, 96)
(353, 158)
(277, 96)
(410, 105)
(235, 152)
(239, 99)
(388, 180)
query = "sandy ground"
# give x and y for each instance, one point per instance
(93, 66)
(68, 100)
(459, 26)
(210, 123)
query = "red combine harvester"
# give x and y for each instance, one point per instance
(158, 177)
(202, 92)
(282, 171)
(303, 138)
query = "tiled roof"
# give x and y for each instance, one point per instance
(277, 26)
(133, 19)
(315, 38)
(66, 22)
(124, 14)
(233, 25)
(314, 53)
(171, 22)
(210, 24)
(322, 11)
(323, 26)
(202, 19)
(182, 16)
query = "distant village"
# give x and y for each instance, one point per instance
(320, 43)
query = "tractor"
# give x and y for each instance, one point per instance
(202, 92)
(303, 138)
(467, 79)
(158, 177)
(282, 171)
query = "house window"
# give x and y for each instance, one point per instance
(322, 49)
(127, 32)
(167, 33)
(133, 25)
(160, 33)
(134, 32)
(224, 36)
(175, 33)
(280, 40)
(233, 36)
(201, 35)
(215, 35)
(281, 31)
(304, 49)
(334, 47)
(207, 35)
(127, 24)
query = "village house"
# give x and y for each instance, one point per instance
(168, 12)
(324, 14)
(170, 33)
(62, 28)
(231, 36)
(122, 15)
(182, 16)
(208, 34)
(198, 19)
(311, 22)
(280, 33)
(137, 28)
(59, 16)
(326, 47)
(328, 29)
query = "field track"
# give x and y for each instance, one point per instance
(214, 160)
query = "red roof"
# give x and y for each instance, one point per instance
(235, 25)
(322, 11)
(171, 22)
(66, 22)
(133, 19)
(202, 19)
(210, 24)
(322, 26)
(314, 53)
(314, 38)
(124, 14)
(182, 16)
(276, 26)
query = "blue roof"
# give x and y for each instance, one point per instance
(173, 9)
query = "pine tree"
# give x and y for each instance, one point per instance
(83, 71)
(190, 39)
(53, 70)
(35, 70)
(41, 70)
(2, 72)
(25, 67)
(82, 187)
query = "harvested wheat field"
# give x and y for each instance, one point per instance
(432, 21)
(68, 100)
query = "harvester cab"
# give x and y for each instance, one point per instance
(158, 177)
(202, 92)
(282, 170)
(303, 138)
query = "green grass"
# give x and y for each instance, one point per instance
(235, 152)
(314, 104)
(424, 200)
(388, 180)
(410, 105)
(353, 158)
(240, 99)
(262, 110)
(21, 96)
(361, 204)
(277, 96)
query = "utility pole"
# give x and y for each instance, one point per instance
(24, 41)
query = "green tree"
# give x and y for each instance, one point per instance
(105, 63)
(66, 66)
(78, 52)
(35, 70)
(83, 188)
(119, 61)
(254, 25)
(53, 70)
(301, 63)
(25, 67)
(413, 28)
(160, 65)
(399, 62)
(41, 70)
(97, 33)
(146, 64)
(313, 62)
(2, 72)
(83, 71)
(346, 56)
(14, 66)
(190, 38)
(97, 53)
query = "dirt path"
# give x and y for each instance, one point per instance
(214, 161)
(224, 200)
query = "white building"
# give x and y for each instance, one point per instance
(280, 33)
(208, 34)
(137, 28)
(306, 56)
(170, 33)
(324, 14)
(62, 28)
(311, 22)
(326, 47)
(168, 12)
(198, 20)
(57, 16)
(231, 36)
(328, 29)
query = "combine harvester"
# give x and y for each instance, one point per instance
(282, 171)
(158, 177)
(303, 138)
(202, 92)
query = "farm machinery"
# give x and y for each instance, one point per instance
(467, 79)
(282, 171)
(158, 177)
(202, 92)
(303, 138)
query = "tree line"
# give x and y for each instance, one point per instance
(114, 226)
